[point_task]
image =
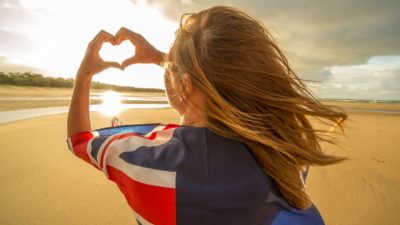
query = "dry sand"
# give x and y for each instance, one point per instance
(43, 183)
(364, 190)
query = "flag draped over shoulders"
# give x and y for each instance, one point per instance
(172, 174)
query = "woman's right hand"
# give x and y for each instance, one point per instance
(144, 51)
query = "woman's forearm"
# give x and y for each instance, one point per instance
(78, 115)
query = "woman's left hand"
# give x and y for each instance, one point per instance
(92, 63)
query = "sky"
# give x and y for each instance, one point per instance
(350, 49)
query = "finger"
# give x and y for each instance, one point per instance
(126, 31)
(119, 39)
(108, 64)
(97, 37)
(126, 34)
(101, 37)
(106, 37)
(121, 35)
(129, 62)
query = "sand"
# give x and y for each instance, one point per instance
(43, 183)
(39, 97)
(23, 91)
(364, 190)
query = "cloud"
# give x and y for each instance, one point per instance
(378, 79)
(53, 35)
(13, 15)
(6, 65)
(315, 33)
(15, 36)
(9, 40)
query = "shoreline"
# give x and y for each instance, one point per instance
(8, 116)
(26, 114)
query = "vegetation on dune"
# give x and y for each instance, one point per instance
(38, 80)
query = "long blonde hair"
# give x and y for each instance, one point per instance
(252, 94)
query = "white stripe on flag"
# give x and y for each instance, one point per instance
(160, 178)
(101, 148)
(157, 128)
(145, 175)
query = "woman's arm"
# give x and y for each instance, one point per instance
(92, 64)
(78, 115)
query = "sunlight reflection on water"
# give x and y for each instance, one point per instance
(111, 103)
(8, 116)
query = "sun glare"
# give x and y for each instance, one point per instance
(111, 103)
(117, 53)
(62, 29)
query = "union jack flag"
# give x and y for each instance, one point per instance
(172, 174)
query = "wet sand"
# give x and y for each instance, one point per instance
(17, 98)
(43, 183)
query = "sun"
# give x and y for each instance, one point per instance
(62, 29)
(111, 103)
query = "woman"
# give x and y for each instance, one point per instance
(241, 152)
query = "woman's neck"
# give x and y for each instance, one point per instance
(194, 110)
(193, 117)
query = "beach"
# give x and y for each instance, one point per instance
(44, 183)
(365, 189)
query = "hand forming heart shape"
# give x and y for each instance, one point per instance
(117, 53)
(144, 52)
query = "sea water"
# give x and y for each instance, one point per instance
(8, 116)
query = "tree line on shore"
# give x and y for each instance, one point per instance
(38, 80)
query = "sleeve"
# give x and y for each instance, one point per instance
(93, 146)
(142, 160)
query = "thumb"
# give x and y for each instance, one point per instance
(129, 62)
(108, 64)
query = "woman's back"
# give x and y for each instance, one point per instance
(224, 72)
(187, 175)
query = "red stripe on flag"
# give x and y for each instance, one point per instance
(155, 204)
(79, 145)
(170, 126)
(81, 137)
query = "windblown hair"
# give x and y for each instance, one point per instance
(253, 95)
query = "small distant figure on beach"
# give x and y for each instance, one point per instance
(115, 122)
(245, 141)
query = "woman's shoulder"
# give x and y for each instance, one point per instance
(142, 129)
(190, 148)
(194, 143)
(224, 160)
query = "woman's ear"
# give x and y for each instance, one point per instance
(187, 86)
